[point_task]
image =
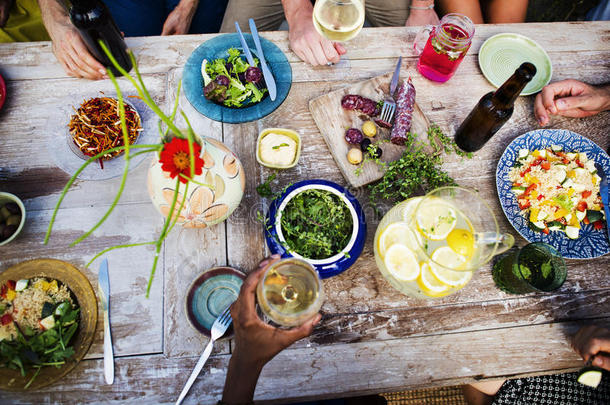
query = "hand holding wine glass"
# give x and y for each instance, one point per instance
(255, 341)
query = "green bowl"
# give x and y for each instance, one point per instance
(501, 54)
(8, 197)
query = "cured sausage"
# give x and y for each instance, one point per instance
(405, 103)
(359, 103)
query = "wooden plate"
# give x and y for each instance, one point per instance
(332, 121)
(11, 380)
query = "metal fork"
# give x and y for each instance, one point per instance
(219, 328)
(389, 105)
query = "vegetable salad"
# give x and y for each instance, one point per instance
(232, 82)
(557, 190)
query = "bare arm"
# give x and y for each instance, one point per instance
(178, 22)
(505, 11)
(68, 46)
(419, 17)
(470, 8)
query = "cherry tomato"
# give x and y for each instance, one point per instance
(581, 206)
(6, 319)
(598, 225)
(586, 193)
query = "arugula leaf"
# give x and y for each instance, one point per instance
(546, 269)
(526, 273)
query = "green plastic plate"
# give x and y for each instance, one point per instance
(502, 54)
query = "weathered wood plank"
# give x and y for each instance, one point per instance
(136, 321)
(36, 61)
(188, 252)
(308, 373)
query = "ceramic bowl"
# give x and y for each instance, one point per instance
(8, 197)
(289, 133)
(326, 267)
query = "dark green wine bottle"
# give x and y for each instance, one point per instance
(493, 110)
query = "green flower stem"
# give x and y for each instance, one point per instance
(162, 236)
(196, 182)
(189, 134)
(174, 110)
(186, 189)
(75, 175)
(146, 151)
(118, 247)
(32, 379)
(141, 90)
(125, 170)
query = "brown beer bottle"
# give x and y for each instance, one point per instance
(493, 110)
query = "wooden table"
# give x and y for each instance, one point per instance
(372, 338)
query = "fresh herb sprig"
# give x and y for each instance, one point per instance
(416, 170)
(49, 348)
(316, 224)
(264, 189)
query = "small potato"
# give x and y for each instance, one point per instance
(354, 156)
(369, 129)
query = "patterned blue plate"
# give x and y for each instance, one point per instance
(326, 267)
(590, 243)
(217, 47)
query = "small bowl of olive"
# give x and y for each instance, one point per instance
(12, 217)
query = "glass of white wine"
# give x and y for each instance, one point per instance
(290, 292)
(338, 20)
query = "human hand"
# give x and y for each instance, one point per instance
(179, 20)
(72, 53)
(421, 18)
(593, 343)
(257, 342)
(5, 8)
(570, 98)
(307, 43)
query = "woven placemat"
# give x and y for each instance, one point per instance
(429, 396)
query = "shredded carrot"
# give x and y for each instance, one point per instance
(96, 126)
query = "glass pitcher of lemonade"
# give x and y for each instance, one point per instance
(429, 247)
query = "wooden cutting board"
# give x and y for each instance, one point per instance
(332, 121)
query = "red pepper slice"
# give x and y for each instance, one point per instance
(565, 161)
(524, 205)
(529, 189)
(515, 184)
(523, 173)
(586, 193)
(546, 231)
(11, 284)
(540, 197)
(545, 165)
(581, 206)
(6, 319)
(3, 291)
(579, 163)
(598, 225)
(586, 221)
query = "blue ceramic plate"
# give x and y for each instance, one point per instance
(217, 47)
(210, 294)
(325, 267)
(590, 243)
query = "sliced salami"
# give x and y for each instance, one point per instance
(359, 103)
(405, 103)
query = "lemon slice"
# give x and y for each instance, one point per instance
(461, 241)
(436, 219)
(448, 259)
(429, 284)
(409, 208)
(401, 263)
(397, 233)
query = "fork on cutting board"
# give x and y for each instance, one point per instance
(220, 326)
(389, 105)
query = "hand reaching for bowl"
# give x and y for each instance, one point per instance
(593, 343)
(570, 98)
(255, 341)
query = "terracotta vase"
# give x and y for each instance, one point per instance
(220, 192)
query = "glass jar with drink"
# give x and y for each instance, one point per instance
(290, 292)
(443, 47)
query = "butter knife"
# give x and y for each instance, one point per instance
(104, 291)
(244, 45)
(269, 80)
(395, 77)
(603, 191)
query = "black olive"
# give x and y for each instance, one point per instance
(13, 208)
(364, 144)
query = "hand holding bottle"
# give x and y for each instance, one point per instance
(570, 98)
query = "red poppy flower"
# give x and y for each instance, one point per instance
(175, 158)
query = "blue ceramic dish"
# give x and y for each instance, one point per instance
(217, 47)
(326, 267)
(590, 243)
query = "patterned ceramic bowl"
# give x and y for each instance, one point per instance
(330, 266)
